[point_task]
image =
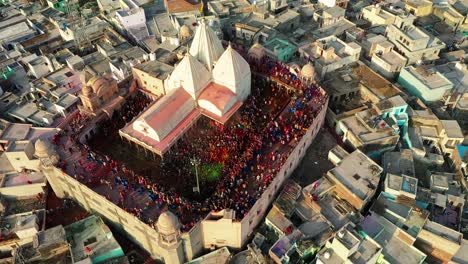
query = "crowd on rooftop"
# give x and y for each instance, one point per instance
(252, 147)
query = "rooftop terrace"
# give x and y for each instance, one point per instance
(432, 79)
(358, 173)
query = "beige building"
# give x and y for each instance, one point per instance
(451, 17)
(384, 59)
(330, 53)
(353, 89)
(150, 76)
(413, 43)
(419, 8)
(428, 133)
(356, 178)
(374, 130)
(379, 16)
(438, 241)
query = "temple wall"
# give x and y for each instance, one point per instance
(203, 235)
(136, 230)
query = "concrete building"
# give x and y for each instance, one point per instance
(332, 3)
(419, 8)
(379, 16)
(395, 227)
(413, 43)
(151, 75)
(90, 240)
(439, 242)
(427, 84)
(431, 137)
(280, 49)
(451, 17)
(356, 178)
(377, 129)
(330, 53)
(329, 16)
(183, 7)
(82, 32)
(38, 66)
(355, 88)
(350, 246)
(384, 59)
(86, 241)
(400, 175)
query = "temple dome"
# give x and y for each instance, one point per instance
(98, 82)
(308, 71)
(257, 51)
(233, 71)
(206, 46)
(185, 32)
(189, 74)
(41, 148)
(168, 223)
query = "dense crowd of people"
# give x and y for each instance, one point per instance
(251, 147)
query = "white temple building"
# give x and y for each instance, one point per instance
(208, 80)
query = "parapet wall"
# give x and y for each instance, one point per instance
(136, 230)
(258, 211)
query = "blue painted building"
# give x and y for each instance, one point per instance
(280, 49)
(428, 85)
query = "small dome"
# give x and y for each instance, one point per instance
(308, 71)
(185, 32)
(41, 148)
(97, 82)
(257, 51)
(86, 90)
(168, 223)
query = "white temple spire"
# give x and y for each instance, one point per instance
(190, 75)
(206, 46)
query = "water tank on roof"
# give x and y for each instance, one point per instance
(152, 56)
(326, 255)
(341, 234)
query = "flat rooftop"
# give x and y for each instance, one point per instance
(353, 76)
(392, 58)
(431, 78)
(21, 178)
(22, 205)
(399, 163)
(394, 249)
(156, 69)
(91, 232)
(358, 173)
